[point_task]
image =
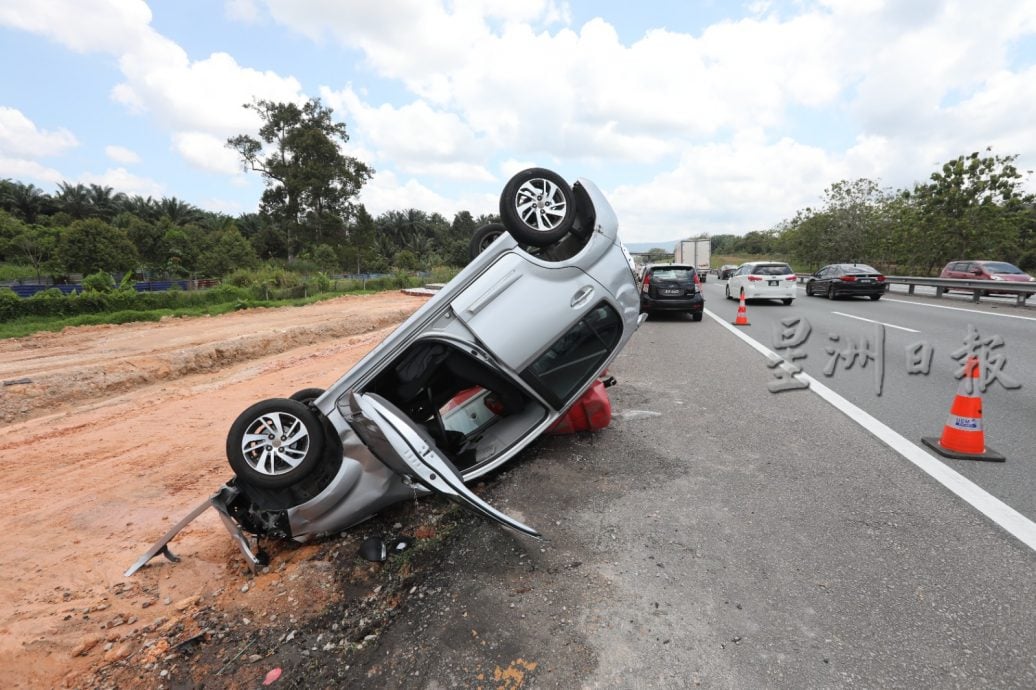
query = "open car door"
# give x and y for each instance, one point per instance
(410, 451)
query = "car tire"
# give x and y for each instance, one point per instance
(875, 297)
(728, 291)
(831, 292)
(272, 465)
(809, 289)
(696, 316)
(307, 395)
(483, 237)
(787, 301)
(537, 207)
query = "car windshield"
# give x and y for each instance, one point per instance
(771, 270)
(858, 268)
(1000, 267)
(681, 275)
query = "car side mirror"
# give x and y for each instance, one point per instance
(976, 271)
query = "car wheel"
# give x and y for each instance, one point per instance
(728, 291)
(875, 297)
(307, 395)
(787, 301)
(275, 443)
(696, 316)
(483, 237)
(809, 289)
(830, 291)
(537, 207)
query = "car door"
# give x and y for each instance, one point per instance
(734, 282)
(412, 453)
(517, 301)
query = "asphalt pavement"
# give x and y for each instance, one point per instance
(718, 535)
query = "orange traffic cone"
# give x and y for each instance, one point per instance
(742, 313)
(962, 437)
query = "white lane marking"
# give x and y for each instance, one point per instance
(970, 311)
(978, 498)
(890, 325)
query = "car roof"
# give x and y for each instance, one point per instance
(766, 263)
(650, 266)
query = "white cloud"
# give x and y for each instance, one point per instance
(245, 11)
(183, 95)
(26, 170)
(385, 192)
(207, 152)
(20, 137)
(121, 180)
(121, 154)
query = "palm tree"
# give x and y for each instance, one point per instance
(143, 208)
(103, 201)
(179, 212)
(26, 200)
(74, 200)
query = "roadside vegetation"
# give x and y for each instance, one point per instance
(310, 238)
(973, 207)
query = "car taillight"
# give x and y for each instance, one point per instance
(880, 279)
(754, 278)
(791, 277)
(647, 282)
(848, 279)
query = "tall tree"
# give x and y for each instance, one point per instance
(309, 181)
(92, 245)
(972, 207)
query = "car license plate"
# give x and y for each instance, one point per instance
(774, 283)
(866, 280)
(672, 291)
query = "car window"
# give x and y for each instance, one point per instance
(682, 275)
(772, 270)
(569, 362)
(1000, 267)
(859, 268)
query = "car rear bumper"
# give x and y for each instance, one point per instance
(754, 291)
(862, 290)
(694, 304)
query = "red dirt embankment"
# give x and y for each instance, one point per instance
(113, 433)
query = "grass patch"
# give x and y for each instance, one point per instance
(27, 325)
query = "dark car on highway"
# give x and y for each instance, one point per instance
(725, 271)
(671, 287)
(846, 280)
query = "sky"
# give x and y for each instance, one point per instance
(693, 117)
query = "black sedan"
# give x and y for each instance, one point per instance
(846, 280)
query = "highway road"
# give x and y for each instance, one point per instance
(721, 535)
(914, 329)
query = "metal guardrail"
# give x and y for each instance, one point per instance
(977, 288)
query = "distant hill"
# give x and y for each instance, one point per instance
(668, 245)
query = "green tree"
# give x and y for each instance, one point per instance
(92, 245)
(36, 244)
(974, 206)
(228, 252)
(309, 181)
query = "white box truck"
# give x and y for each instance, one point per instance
(694, 251)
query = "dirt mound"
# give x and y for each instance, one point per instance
(118, 432)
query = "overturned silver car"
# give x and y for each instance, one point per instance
(484, 367)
